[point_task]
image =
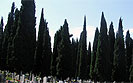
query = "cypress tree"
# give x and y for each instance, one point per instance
(128, 52)
(1, 34)
(25, 37)
(39, 46)
(7, 39)
(111, 47)
(93, 56)
(1, 39)
(64, 58)
(74, 56)
(57, 40)
(82, 68)
(11, 57)
(102, 57)
(88, 60)
(131, 67)
(46, 54)
(119, 70)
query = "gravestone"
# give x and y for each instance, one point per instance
(33, 77)
(60, 81)
(45, 80)
(20, 79)
(17, 77)
(23, 77)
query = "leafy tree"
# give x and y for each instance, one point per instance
(111, 47)
(128, 52)
(119, 70)
(102, 56)
(64, 59)
(25, 38)
(93, 56)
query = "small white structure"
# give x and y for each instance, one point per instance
(32, 78)
(60, 81)
(45, 80)
(22, 78)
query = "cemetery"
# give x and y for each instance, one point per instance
(8, 77)
(28, 55)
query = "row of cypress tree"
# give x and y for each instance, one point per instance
(109, 60)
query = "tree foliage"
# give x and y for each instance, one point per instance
(64, 59)
(129, 48)
(102, 56)
(25, 37)
(93, 56)
(74, 56)
(54, 58)
(111, 59)
(7, 41)
(1, 40)
(111, 47)
(43, 49)
(82, 53)
(119, 70)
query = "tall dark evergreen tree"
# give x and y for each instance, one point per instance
(93, 56)
(111, 48)
(47, 53)
(1, 34)
(1, 39)
(102, 56)
(39, 46)
(82, 68)
(88, 60)
(12, 57)
(57, 40)
(74, 56)
(7, 38)
(128, 52)
(119, 70)
(131, 67)
(64, 59)
(25, 38)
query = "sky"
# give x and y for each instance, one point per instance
(56, 11)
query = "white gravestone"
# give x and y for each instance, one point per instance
(45, 80)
